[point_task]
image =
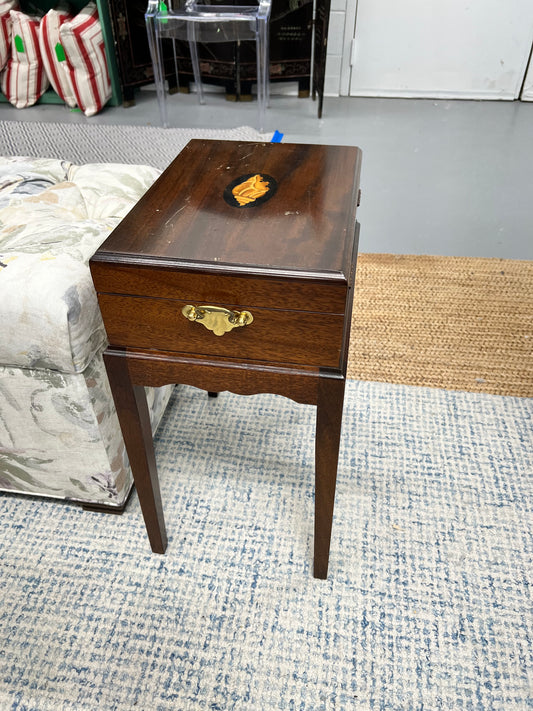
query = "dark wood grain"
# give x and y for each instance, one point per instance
(299, 293)
(349, 304)
(328, 432)
(156, 369)
(307, 224)
(273, 336)
(134, 418)
(290, 262)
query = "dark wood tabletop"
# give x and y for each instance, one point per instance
(305, 226)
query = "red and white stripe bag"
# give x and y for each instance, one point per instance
(83, 43)
(5, 30)
(24, 80)
(53, 54)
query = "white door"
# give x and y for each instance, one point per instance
(475, 49)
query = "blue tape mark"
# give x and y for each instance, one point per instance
(276, 138)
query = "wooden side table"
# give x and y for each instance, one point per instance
(235, 272)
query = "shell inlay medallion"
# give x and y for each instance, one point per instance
(253, 188)
(250, 190)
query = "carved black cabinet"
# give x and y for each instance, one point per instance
(229, 65)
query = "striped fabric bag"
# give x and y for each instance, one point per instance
(83, 43)
(53, 54)
(24, 80)
(5, 30)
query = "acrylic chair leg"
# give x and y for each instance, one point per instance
(193, 47)
(176, 63)
(163, 94)
(266, 65)
(262, 72)
(154, 42)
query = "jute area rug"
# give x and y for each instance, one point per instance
(448, 322)
(428, 600)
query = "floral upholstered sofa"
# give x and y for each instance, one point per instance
(59, 433)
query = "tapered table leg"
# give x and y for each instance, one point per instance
(134, 418)
(328, 432)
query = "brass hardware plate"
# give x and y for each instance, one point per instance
(216, 318)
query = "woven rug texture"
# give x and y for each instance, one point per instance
(93, 143)
(447, 322)
(428, 600)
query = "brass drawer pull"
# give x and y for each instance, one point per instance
(216, 318)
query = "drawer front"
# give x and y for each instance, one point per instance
(270, 293)
(274, 336)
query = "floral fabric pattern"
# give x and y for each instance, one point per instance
(59, 433)
(54, 217)
(60, 436)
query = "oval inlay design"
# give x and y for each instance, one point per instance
(250, 190)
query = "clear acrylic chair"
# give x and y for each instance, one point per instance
(203, 22)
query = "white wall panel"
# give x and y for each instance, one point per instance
(435, 48)
(333, 75)
(336, 32)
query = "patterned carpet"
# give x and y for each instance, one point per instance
(428, 601)
(86, 143)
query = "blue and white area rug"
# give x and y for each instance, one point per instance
(428, 601)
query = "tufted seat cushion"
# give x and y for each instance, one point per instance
(53, 217)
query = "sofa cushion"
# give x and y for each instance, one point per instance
(49, 313)
(53, 217)
(29, 176)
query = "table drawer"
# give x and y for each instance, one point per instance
(296, 294)
(277, 336)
